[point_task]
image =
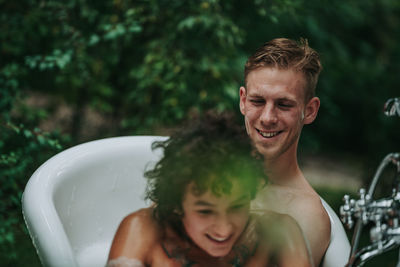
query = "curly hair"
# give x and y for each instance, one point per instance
(285, 53)
(211, 152)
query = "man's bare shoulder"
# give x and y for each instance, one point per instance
(309, 203)
(287, 200)
(137, 234)
(283, 237)
(315, 223)
(275, 221)
(311, 214)
(305, 207)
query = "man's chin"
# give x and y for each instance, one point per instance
(268, 153)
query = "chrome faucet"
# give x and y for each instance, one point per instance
(383, 214)
(392, 107)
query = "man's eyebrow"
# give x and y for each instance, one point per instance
(254, 95)
(286, 99)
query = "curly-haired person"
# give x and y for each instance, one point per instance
(201, 190)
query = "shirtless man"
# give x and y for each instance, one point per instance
(277, 100)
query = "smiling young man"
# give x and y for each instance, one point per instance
(278, 99)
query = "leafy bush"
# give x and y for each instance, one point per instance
(22, 150)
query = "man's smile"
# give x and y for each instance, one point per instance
(268, 134)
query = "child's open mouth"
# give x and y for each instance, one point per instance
(219, 240)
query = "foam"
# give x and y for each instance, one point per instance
(125, 262)
(94, 255)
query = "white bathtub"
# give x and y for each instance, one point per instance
(74, 202)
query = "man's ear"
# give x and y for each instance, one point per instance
(242, 95)
(311, 110)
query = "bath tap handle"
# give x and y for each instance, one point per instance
(362, 206)
(364, 197)
(392, 107)
(346, 212)
(377, 232)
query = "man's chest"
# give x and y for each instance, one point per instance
(275, 199)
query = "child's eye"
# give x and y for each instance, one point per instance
(205, 212)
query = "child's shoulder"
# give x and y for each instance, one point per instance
(141, 219)
(137, 234)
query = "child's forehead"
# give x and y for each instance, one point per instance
(237, 192)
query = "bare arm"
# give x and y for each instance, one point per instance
(133, 240)
(315, 226)
(306, 208)
(282, 242)
(294, 250)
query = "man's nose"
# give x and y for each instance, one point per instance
(269, 115)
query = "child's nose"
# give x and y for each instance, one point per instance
(223, 228)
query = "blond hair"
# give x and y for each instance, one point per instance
(285, 53)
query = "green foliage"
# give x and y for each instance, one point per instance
(21, 151)
(360, 60)
(179, 74)
(145, 63)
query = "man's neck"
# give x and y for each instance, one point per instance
(285, 171)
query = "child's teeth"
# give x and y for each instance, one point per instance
(218, 239)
